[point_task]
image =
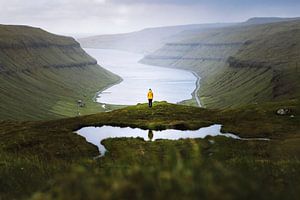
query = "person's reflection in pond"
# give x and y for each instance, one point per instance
(150, 135)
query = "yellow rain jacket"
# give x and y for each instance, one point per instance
(150, 95)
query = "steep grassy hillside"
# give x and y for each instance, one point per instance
(43, 75)
(144, 41)
(47, 160)
(239, 65)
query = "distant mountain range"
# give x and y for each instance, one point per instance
(42, 75)
(150, 39)
(144, 41)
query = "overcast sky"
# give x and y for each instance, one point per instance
(90, 17)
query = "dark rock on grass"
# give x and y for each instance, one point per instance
(283, 111)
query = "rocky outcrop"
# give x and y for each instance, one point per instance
(57, 66)
(233, 62)
(283, 111)
(35, 45)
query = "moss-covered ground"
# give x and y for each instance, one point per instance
(47, 160)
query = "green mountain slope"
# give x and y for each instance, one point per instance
(240, 64)
(43, 75)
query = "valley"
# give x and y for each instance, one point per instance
(229, 58)
(171, 85)
(72, 129)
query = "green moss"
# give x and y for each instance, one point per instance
(50, 158)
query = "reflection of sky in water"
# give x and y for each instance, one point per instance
(95, 135)
(170, 85)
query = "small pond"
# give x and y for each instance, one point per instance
(95, 135)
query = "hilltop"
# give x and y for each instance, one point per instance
(42, 75)
(47, 160)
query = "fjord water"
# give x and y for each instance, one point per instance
(171, 85)
(95, 135)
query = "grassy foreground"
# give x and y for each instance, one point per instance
(46, 160)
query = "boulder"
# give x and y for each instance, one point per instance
(283, 111)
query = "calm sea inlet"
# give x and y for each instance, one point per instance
(171, 85)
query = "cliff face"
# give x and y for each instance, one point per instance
(42, 75)
(241, 64)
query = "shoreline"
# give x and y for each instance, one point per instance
(194, 94)
(105, 88)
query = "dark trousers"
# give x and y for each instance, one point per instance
(150, 103)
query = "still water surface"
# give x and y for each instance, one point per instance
(170, 85)
(95, 135)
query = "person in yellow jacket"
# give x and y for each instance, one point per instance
(150, 98)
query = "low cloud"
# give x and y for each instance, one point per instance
(88, 17)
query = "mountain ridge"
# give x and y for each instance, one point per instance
(157, 36)
(143, 41)
(42, 75)
(224, 68)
